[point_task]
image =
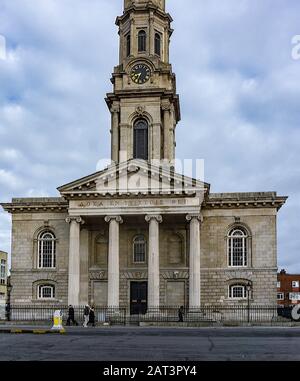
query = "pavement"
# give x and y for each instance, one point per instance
(153, 344)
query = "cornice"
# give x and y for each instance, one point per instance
(36, 205)
(244, 200)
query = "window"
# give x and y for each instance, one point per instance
(295, 284)
(237, 248)
(157, 44)
(280, 296)
(139, 249)
(47, 250)
(278, 285)
(128, 45)
(294, 296)
(140, 140)
(237, 291)
(46, 291)
(142, 41)
(3, 271)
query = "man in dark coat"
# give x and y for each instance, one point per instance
(180, 314)
(71, 316)
(92, 316)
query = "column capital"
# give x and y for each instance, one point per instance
(193, 216)
(115, 108)
(77, 219)
(166, 106)
(118, 219)
(157, 217)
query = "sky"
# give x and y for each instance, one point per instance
(238, 81)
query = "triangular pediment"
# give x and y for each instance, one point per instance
(134, 177)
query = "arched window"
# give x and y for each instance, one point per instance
(142, 41)
(237, 248)
(237, 291)
(139, 249)
(46, 291)
(140, 139)
(128, 45)
(157, 44)
(47, 250)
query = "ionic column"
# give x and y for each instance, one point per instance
(74, 260)
(153, 260)
(194, 276)
(115, 133)
(113, 261)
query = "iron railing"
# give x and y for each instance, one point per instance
(163, 314)
(43, 313)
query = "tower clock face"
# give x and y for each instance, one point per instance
(140, 73)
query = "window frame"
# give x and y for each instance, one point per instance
(134, 252)
(295, 282)
(41, 246)
(135, 138)
(128, 45)
(42, 287)
(233, 286)
(3, 273)
(245, 247)
(280, 294)
(142, 41)
(157, 34)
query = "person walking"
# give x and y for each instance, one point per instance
(86, 314)
(71, 316)
(92, 316)
(180, 314)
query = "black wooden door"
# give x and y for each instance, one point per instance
(138, 298)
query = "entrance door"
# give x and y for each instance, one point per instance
(138, 298)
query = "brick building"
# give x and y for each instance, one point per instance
(288, 288)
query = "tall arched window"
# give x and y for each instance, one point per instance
(140, 139)
(157, 44)
(237, 248)
(139, 249)
(47, 250)
(142, 36)
(128, 45)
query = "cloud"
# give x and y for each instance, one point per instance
(238, 83)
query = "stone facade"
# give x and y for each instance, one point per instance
(85, 246)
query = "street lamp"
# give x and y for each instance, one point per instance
(248, 288)
(9, 288)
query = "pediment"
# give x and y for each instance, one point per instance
(134, 177)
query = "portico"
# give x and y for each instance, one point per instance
(116, 222)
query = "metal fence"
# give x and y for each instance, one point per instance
(163, 314)
(212, 314)
(39, 313)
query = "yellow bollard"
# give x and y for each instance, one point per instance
(57, 322)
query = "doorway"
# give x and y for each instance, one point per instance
(138, 298)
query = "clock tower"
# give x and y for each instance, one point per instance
(144, 105)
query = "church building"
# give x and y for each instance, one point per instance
(137, 234)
